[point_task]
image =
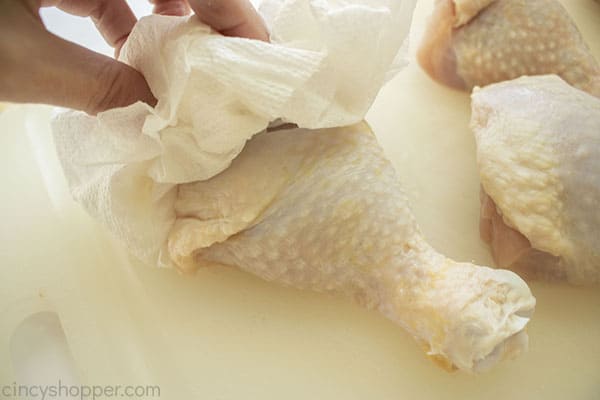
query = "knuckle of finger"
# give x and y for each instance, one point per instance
(113, 92)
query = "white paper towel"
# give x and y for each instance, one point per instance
(323, 68)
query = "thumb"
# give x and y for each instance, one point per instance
(231, 18)
(37, 66)
(90, 81)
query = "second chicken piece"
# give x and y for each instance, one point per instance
(538, 151)
(478, 42)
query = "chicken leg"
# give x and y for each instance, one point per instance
(538, 150)
(323, 210)
(478, 42)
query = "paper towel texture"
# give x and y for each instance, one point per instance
(323, 68)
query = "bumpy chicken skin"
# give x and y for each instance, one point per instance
(538, 152)
(324, 210)
(472, 43)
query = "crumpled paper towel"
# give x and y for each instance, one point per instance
(326, 61)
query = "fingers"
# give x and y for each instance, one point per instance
(68, 75)
(38, 67)
(171, 7)
(91, 82)
(113, 18)
(231, 17)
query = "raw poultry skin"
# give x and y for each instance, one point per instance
(323, 210)
(472, 43)
(538, 152)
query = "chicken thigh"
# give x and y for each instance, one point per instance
(323, 210)
(472, 43)
(538, 151)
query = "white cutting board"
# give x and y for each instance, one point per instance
(223, 334)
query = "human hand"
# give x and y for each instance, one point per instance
(39, 67)
(229, 17)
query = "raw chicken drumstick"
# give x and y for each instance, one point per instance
(477, 42)
(538, 151)
(324, 210)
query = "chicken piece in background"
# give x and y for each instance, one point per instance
(538, 152)
(324, 210)
(472, 43)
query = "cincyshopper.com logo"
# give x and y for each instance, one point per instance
(81, 392)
